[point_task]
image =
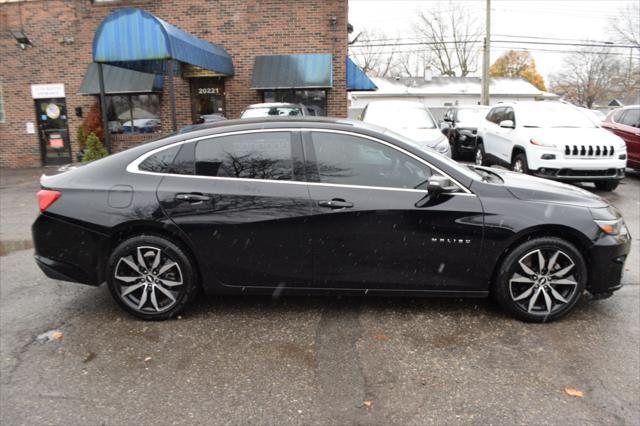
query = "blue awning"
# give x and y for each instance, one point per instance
(292, 72)
(135, 39)
(357, 79)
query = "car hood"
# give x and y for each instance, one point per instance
(529, 188)
(423, 137)
(561, 136)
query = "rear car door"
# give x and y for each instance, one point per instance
(239, 201)
(368, 232)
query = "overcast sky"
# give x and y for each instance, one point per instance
(565, 20)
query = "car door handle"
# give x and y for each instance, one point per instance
(336, 203)
(193, 197)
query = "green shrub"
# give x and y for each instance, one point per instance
(94, 150)
(82, 137)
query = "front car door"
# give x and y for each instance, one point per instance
(368, 232)
(242, 203)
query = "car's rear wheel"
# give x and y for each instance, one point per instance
(151, 277)
(480, 157)
(607, 185)
(519, 164)
(541, 280)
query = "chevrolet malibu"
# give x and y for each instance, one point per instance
(321, 205)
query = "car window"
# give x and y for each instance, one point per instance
(160, 162)
(617, 115)
(508, 115)
(498, 113)
(271, 112)
(631, 118)
(264, 155)
(352, 160)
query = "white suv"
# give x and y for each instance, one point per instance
(551, 140)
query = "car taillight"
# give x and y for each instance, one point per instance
(46, 197)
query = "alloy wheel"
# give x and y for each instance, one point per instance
(148, 280)
(544, 281)
(518, 167)
(479, 157)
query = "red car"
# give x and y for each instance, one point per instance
(625, 122)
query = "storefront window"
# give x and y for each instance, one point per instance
(314, 100)
(134, 113)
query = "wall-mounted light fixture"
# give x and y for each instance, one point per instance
(21, 38)
(334, 22)
(66, 40)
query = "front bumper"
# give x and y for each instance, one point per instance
(579, 175)
(606, 260)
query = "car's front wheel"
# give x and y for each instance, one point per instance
(519, 164)
(151, 277)
(541, 280)
(607, 185)
(480, 157)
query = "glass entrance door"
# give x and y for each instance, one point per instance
(207, 99)
(53, 131)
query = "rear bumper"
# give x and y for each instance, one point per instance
(68, 251)
(606, 260)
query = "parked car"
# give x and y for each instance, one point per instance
(313, 205)
(275, 109)
(597, 116)
(410, 119)
(551, 140)
(625, 122)
(142, 125)
(461, 127)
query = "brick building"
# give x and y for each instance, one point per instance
(57, 65)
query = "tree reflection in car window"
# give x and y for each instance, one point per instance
(250, 156)
(351, 160)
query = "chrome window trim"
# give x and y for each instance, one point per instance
(133, 167)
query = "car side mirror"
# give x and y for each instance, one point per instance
(440, 184)
(507, 124)
(448, 119)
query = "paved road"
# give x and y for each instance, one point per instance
(310, 360)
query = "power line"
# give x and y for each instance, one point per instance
(472, 41)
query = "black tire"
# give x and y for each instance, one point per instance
(480, 157)
(157, 305)
(607, 185)
(510, 282)
(455, 152)
(519, 163)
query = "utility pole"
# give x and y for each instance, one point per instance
(484, 98)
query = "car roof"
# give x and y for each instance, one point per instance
(274, 105)
(393, 103)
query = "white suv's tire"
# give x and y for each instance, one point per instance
(519, 164)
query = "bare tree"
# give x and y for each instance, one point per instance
(372, 54)
(452, 35)
(626, 26)
(589, 75)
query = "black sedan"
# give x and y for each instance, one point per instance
(316, 205)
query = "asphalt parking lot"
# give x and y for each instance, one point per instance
(306, 360)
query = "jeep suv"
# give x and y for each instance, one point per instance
(551, 140)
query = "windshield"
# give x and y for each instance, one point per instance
(470, 173)
(271, 112)
(401, 117)
(471, 115)
(550, 115)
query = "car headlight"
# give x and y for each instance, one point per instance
(609, 220)
(611, 227)
(442, 147)
(538, 142)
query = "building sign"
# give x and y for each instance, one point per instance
(193, 71)
(47, 91)
(55, 140)
(30, 127)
